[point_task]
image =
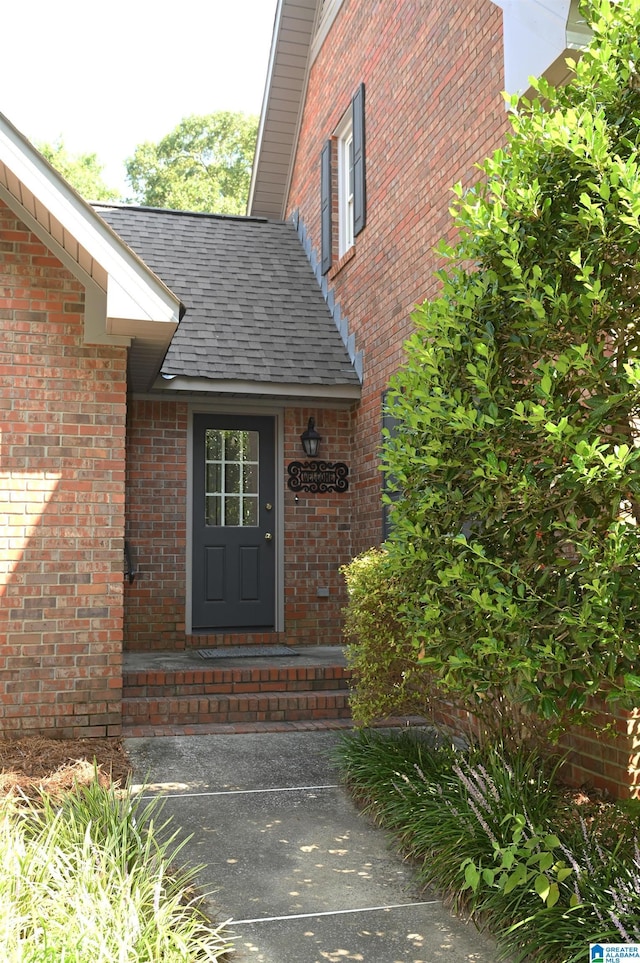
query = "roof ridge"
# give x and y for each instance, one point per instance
(101, 205)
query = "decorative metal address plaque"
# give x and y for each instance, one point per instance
(318, 476)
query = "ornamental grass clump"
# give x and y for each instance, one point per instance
(445, 805)
(544, 869)
(601, 897)
(94, 880)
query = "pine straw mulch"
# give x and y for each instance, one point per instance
(33, 765)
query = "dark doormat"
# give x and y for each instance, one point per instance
(246, 651)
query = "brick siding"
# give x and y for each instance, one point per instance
(62, 412)
(433, 77)
(317, 533)
(433, 72)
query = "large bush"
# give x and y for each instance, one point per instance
(516, 461)
(387, 680)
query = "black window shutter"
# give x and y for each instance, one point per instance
(389, 485)
(359, 193)
(325, 206)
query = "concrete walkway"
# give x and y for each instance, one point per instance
(302, 875)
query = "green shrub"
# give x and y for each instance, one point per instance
(515, 544)
(386, 680)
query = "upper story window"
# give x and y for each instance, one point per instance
(327, 13)
(344, 140)
(347, 146)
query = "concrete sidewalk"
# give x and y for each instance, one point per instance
(304, 877)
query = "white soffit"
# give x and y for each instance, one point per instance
(282, 106)
(265, 389)
(87, 245)
(539, 35)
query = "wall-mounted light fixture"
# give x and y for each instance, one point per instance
(310, 439)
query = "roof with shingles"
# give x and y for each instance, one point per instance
(254, 311)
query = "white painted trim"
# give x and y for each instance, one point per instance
(284, 6)
(344, 137)
(287, 391)
(95, 303)
(133, 290)
(330, 10)
(265, 100)
(539, 35)
(223, 404)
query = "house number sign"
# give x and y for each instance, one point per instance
(318, 476)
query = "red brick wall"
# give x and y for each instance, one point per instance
(607, 755)
(318, 535)
(433, 76)
(62, 415)
(317, 538)
(156, 524)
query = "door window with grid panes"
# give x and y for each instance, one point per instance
(231, 478)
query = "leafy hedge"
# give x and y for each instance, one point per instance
(514, 555)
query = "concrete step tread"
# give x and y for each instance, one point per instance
(222, 697)
(171, 676)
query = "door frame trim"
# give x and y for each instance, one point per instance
(238, 408)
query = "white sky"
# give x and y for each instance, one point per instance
(106, 76)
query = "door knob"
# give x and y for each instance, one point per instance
(268, 536)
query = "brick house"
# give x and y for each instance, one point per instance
(155, 385)
(372, 112)
(159, 370)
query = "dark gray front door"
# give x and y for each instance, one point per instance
(234, 534)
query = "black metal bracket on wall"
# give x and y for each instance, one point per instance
(129, 571)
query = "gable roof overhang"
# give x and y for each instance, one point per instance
(257, 323)
(279, 392)
(539, 36)
(125, 303)
(285, 87)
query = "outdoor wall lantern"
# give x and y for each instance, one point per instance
(310, 439)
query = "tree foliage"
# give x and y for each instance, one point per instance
(82, 171)
(516, 461)
(204, 164)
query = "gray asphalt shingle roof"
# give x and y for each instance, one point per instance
(254, 311)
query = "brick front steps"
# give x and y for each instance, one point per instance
(164, 689)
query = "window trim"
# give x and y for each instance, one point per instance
(328, 12)
(346, 186)
(347, 145)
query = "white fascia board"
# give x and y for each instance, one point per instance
(265, 102)
(285, 10)
(95, 298)
(180, 383)
(534, 36)
(133, 290)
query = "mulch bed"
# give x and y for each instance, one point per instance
(34, 765)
